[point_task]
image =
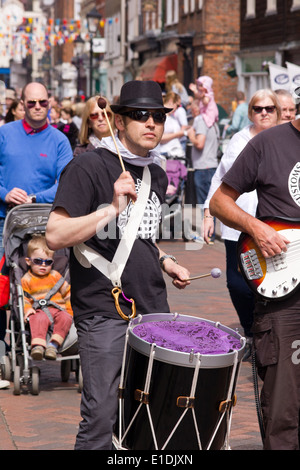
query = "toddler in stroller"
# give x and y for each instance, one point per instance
(46, 300)
(22, 223)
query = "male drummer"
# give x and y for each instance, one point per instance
(94, 192)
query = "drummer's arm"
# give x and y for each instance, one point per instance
(177, 272)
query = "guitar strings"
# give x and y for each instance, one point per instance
(293, 248)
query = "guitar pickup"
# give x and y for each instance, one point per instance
(279, 262)
(251, 265)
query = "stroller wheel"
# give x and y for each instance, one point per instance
(17, 380)
(35, 380)
(5, 368)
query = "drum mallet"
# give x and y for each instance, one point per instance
(215, 272)
(102, 105)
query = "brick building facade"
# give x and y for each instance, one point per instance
(216, 34)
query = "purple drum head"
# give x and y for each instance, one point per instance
(184, 336)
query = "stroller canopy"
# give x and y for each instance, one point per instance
(22, 221)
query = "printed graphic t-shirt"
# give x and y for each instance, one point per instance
(86, 184)
(270, 163)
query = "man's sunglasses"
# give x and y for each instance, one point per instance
(269, 109)
(32, 103)
(40, 261)
(143, 116)
(95, 116)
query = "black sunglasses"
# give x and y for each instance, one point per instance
(143, 116)
(269, 109)
(40, 261)
(32, 103)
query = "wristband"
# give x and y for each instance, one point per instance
(162, 259)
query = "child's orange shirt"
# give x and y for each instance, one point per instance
(39, 287)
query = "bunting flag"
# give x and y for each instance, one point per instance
(40, 34)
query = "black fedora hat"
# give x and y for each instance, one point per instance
(138, 94)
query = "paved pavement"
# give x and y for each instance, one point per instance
(49, 421)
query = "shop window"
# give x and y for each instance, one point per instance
(172, 12)
(271, 7)
(190, 6)
(250, 12)
(295, 5)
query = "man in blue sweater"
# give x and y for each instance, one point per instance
(32, 157)
(32, 154)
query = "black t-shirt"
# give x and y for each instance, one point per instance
(270, 163)
(86, 184)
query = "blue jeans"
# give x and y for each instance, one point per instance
(241, 295)
(202, 180)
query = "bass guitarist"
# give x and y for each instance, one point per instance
(270, 163)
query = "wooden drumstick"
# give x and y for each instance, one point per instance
(215, 272)
(102, 105)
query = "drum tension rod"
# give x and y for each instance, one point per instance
(185, 402)
(141, 396)
(225, 404)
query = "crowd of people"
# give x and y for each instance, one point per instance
(92, 163)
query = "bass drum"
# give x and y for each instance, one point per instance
(178, 383)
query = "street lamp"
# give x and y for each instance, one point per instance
(77, 59)
(93, 19)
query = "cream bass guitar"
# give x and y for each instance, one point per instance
(279, 276)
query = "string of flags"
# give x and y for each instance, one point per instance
(40, 34)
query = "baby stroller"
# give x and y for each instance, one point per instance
(172, 211)
(20, 224)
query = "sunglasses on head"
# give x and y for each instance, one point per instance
(269, 109)
(95, 116)
(32, 103)
(41, 261)
(143, 116)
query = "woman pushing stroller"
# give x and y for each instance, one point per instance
(46, 300)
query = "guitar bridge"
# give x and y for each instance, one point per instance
(251, 265)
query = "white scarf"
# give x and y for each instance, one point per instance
(95, 141)
(108, 143)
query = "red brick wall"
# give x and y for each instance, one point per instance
(217, 36)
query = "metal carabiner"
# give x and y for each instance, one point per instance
(116, 291)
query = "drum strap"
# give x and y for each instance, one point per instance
(113, 270)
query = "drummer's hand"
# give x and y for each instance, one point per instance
(124, 190)
(177, 272)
